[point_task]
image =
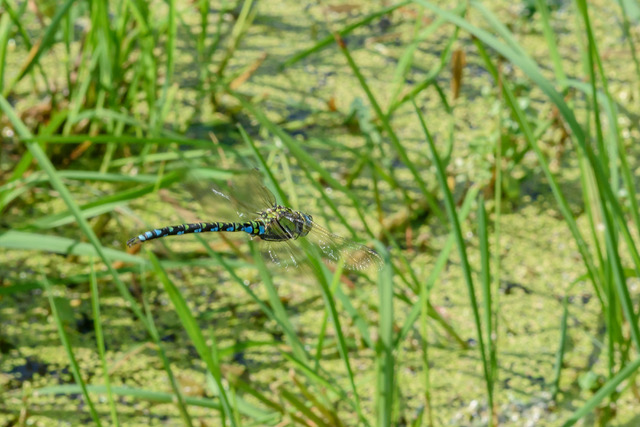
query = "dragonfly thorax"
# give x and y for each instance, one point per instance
(284, 223)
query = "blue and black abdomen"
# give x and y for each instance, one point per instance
(255, 228)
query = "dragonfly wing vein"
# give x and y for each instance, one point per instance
(334, 247)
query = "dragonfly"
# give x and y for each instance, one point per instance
(283, 231)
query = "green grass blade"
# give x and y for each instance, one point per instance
(562, 347)
(286, 328)
(195, 334)
(314, 376)
(302, 408)
(75, 369)
(607, 389)
(308, 163)
(455, 225)
(385, 348)
(97, 322)
(434, 73)
(328, 40)
(61, 245)
(276, 304)
(399, 148)
(159, 397)
(435, 272)
(106, 204)
(485, 279)
(45, 44)
(556, 59)
(66, 196)
(153, 331)
(357, 319)
(424, 320)
(563, 205)
(239, 30)
(335, 320)
(5, 21)
(170, 47)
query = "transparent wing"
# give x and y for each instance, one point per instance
(285, 254)
(247, 194)
(291, 254)
(241, 197)
(334, 247)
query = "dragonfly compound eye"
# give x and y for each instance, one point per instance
(306, 226)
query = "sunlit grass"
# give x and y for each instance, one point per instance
(117, 142)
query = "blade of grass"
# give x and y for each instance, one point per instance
(302, 408)
(328, 40)
(556, 59)
(628, 37)
(107, 203)
(485, 279)
(61, 245)
(491, 314)
(343, 349)
(386, 391)
(432, 76)
(358, 320)
(435, 271)
(45, 44)
(287, 329)
(455, 226)
(607, 389)
(167, 139)
(262, 417)
(242, 24)
(562, 346)
(534, 73)
(97, 322)
(86, 229)
(313, 400)
(169, 48)
(424, 320)
(325, 316)
(75, 369)
(314, 376)
(179, 395)
(5, 27)
(276, 304)
(195, 334)
(386, 125)
(25, 161)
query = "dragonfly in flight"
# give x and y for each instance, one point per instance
(281, 229)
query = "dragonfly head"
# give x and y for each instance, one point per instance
(307, 224)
